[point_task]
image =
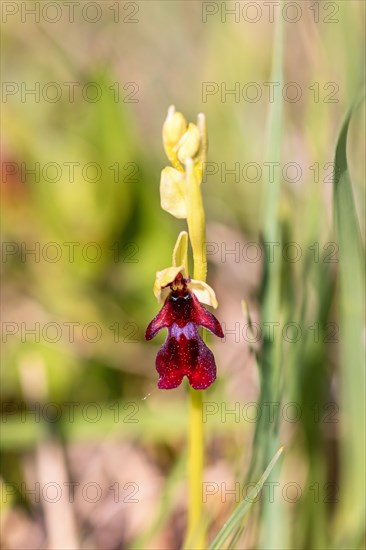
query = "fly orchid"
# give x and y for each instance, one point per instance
(184, 353)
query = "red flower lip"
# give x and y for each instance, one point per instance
(184, 353)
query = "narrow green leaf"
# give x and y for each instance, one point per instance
(243, 508)
(351, 510)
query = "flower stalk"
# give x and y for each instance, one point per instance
(196, 222)
(184, 353)
(196, 536)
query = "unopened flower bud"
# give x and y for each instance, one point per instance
(189, 144)
(174, 127)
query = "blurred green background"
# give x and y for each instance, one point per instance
(81, 162)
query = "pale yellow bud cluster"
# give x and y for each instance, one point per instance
(182, 140)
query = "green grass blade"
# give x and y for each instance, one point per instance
(270, 291)
(266, 439)
(273, 147)
(351, 511)
(271, 227)
(243, 508)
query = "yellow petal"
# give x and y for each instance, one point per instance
(204, 292)
(164, 278)
(189, 144)
(180, 252)
(173, 192)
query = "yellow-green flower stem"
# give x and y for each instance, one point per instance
(196, 222)
(186, 148)
(196, 536)
(201, 167)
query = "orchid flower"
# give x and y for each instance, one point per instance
(184, 353)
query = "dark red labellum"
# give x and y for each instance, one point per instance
(184, 353)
